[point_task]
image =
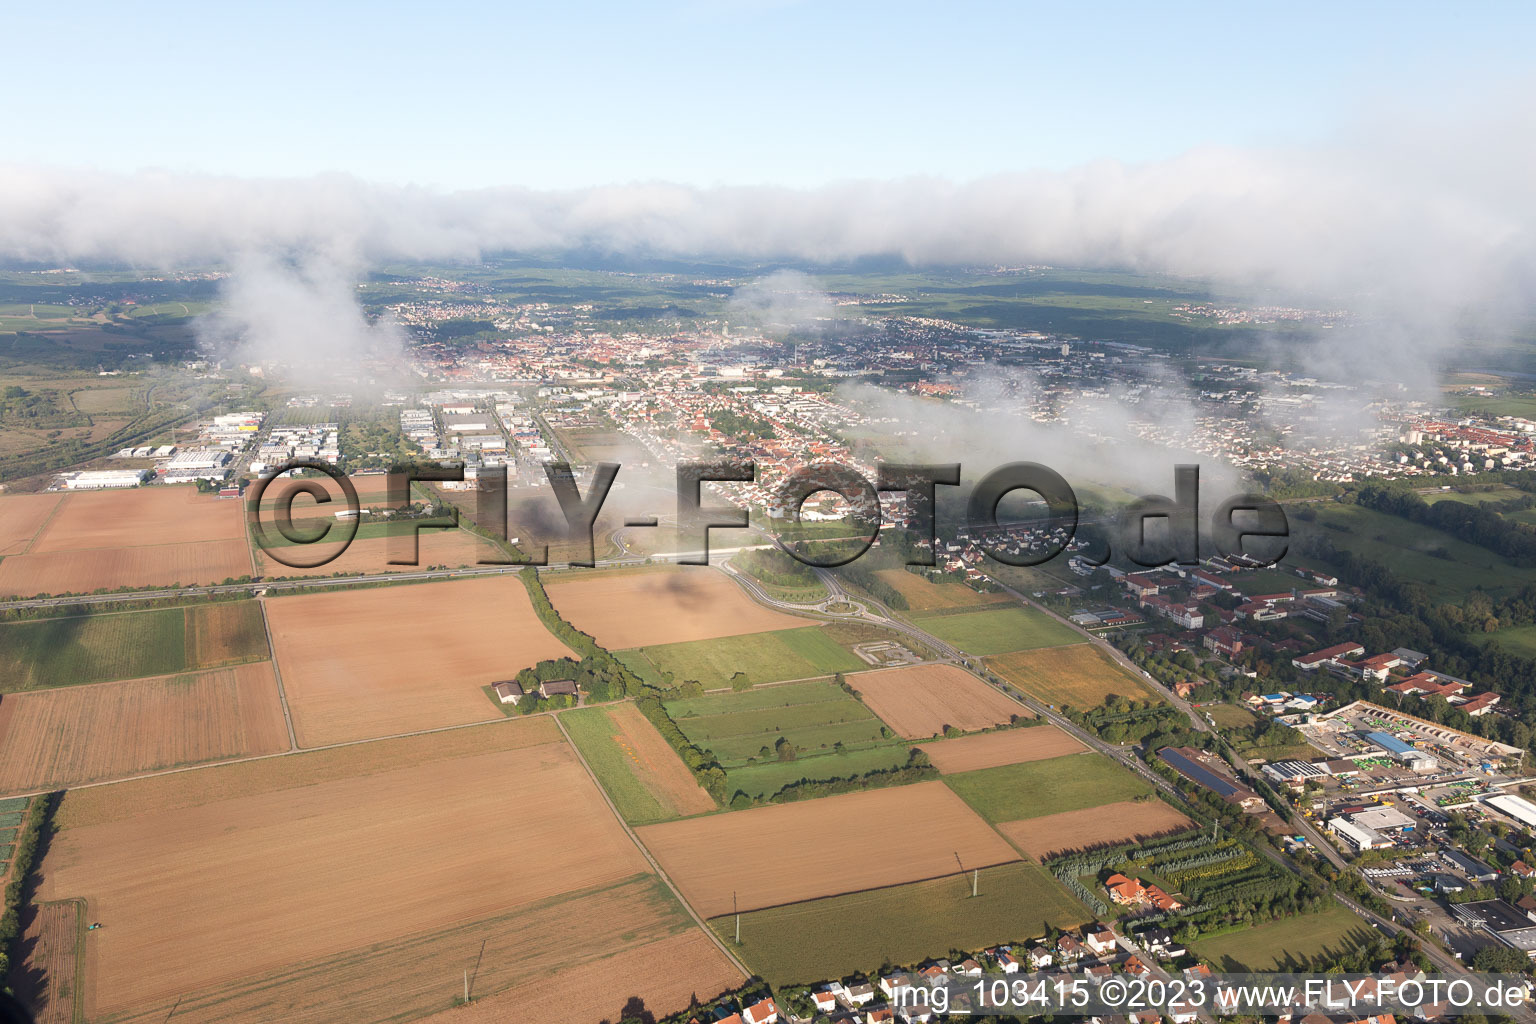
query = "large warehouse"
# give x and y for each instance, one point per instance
(1517, 807)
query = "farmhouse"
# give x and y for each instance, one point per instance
(557, 688)
(508, 691)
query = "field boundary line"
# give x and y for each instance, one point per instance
(1023, 858)
(43, 526)
(655, 866)
(277, 673)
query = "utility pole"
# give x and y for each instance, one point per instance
(737, 912)
(975, 880)
(466, 984)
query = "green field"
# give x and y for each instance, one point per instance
(814, 716)
(1519, 640)
(1498, 493)
(998, 630)
(123, 645)
(1271, 946)
(1018, 791)
(801, 653)
(592, 731)
(1229, 716)
(1421, 554)
(903, 924)
(767, 778)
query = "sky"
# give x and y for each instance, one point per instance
(720, 92)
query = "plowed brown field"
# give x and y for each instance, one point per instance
(54, 738)
(49, 986)
(665, 975)
(138, 516)
(649, 607)
(992, 749)
(785, 853)
(242, 888)
(365, 663)
(21, 516)
(1052, 834)
(75, 572)
(453, 548)
(918, 701)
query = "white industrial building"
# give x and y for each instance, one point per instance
(1358, 837)
(100, 479)
(1380, 819)
(1517, 807)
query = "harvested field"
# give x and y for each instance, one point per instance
(1053, 834)
(123, 801)
(923, 596)
(669, 605)
(1080, 676)
(918, 701)
(64, 737)
(50, 941)
(140, 516)
(451, 548)
(229, 893)
(837, 844)
(993, 749)
(21, 516)
(642, 773)
(365, 663)
(75, 649)
(85, 571)
(665, 974)
(221, 633)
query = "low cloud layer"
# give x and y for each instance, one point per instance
(1415, 226)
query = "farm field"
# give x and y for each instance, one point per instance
(1270, 946)
(768, 777)
(651, 607)
(64, 737)
(451, 548)
(641, 772)
(1229, 716)
(139, 516)
(763, 657)
(1038, 788)
(815, 716)
(918, 701)
(997, 630)
(923, 596)
(1446, 564)
(666, 974)
(1080, 676)
(358, 664)
(76, 649)
(847, 843)
(861, 931)
(21, 516)
(1053, 834)
(51, 933)
(205, 902)
(85, 571)
(995, 749)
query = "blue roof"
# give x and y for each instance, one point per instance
(1197, 772)
(1388, 742)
